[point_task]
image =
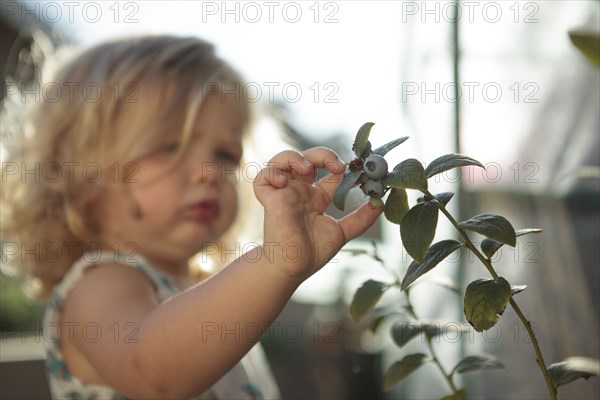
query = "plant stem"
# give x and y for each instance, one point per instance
(488, 265)
(413, 314)
(538, 351)
(439, 365)
(434, 358)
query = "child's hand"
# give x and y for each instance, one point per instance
(299, 237)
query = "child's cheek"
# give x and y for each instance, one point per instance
(230, 203)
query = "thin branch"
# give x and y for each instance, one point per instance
(488, 265)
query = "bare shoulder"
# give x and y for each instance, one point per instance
(108, 294)
(102, 313)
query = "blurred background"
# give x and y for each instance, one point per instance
(498, 81)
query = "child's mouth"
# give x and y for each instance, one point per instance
(203, 211)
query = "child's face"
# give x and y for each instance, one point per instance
(188, 205)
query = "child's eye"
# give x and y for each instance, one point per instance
(170, 147)
(228, 156)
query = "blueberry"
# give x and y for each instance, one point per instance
(373, 188)
(375, 167)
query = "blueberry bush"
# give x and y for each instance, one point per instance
(484, 299)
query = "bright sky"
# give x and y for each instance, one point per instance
(322, 59)
(338, 64)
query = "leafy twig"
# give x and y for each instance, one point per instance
(485, 299)
(552, 391)
(447, 377)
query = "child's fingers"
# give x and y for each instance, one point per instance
(283, 166)
(357, 222)
(322, 157)
(329, 183)
(292, 162)
(270, 176)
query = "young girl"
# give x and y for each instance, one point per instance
(132, 176)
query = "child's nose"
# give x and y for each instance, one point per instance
(204, 170)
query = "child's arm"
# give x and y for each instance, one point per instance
(186, 344)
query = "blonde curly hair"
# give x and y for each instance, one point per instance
(63, 145)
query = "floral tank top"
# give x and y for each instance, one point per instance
(251, 378)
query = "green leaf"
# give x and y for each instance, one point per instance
(516, 289)
(444, 197)
(459, 395)
(492, 226)
(418, 229)
(339, 197)
(490, 247)
(383, 150)
(449, 161)
(366, 297)
(522, 232)
(362, 139)
(573, 368)
(402, 369)
(409, 174)
(485, 301)
(403, 332)
(588, 43)
(396, 206)
(376, 323)
(433, 257)
(474, 363)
